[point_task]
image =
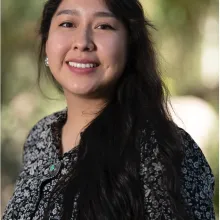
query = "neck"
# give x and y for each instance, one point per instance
(82, 111)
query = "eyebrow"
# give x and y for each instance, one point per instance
(77, 13)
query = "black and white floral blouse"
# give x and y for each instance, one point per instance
(43, 166)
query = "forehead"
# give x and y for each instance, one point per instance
(83, 6)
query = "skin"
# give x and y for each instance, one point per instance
(84, 34)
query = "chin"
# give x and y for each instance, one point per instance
(84, 92)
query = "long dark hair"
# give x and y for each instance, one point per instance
(107, 170)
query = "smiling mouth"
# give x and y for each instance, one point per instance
(82, 65)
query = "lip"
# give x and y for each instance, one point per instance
(76, 70)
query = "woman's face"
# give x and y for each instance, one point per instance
(86, 47)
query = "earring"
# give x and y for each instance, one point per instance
(46, 62)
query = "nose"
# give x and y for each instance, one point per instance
(82, 40)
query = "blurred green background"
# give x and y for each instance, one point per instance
(186, 41)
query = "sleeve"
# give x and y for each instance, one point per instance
(28, 154)
(33, 144)
(197, 182)
(30, 142)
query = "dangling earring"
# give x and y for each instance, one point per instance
(46, 62)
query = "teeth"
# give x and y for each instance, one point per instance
(82, 65)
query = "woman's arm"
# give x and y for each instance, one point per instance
(197, 182)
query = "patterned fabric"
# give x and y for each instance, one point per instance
(43, 166)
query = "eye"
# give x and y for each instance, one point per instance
(66, 24)
(105, 27)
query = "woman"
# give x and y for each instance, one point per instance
(115, 152)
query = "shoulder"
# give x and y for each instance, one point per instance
(197, 179)
(193, 154)
(190, 147)
(42, 126)
(39, 131)
(194, 160)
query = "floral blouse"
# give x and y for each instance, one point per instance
(43, 166)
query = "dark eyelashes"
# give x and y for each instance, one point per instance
(101, 26)
(106, 27)
(67, 24)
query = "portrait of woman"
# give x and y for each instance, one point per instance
(114, 153)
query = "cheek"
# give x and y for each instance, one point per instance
(57, 46)
(113, 51)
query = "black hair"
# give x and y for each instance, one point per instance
(107, 170)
